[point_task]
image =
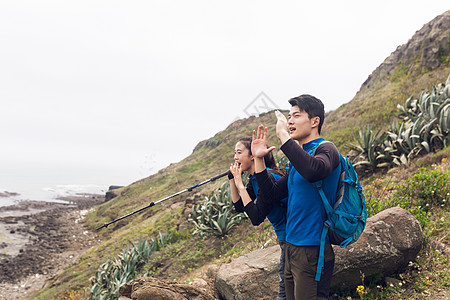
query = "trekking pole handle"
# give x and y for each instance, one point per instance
(220, 175)
(209, 180)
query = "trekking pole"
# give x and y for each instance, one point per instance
(189, 189)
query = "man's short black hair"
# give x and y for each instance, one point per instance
(311, 105)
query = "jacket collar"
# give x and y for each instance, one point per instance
(312, 145)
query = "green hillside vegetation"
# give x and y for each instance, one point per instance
(209, 158)
(421, 186)
(411, 68)
(377, 105)
(185, 255)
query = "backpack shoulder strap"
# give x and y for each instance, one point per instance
(317, 146)
(327, 224)
(318, 184)
(326, 204)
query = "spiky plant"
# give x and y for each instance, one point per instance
(368, 149)
(112, 274)
(216, 216)
(424, 128)
(430, 117)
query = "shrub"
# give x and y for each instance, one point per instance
(427, 188)
(216, 216)
(114, 273)
(424, 128)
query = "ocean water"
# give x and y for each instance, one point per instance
(48, 193)
(47, 182)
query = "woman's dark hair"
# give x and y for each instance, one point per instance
(269, 160)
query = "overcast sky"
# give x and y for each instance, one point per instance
(108, 92)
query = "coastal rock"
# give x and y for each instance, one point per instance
(36, 237)
(8, 194)
(112, 192)
(152, 288)
(115, 187)
(391, 239)
(251, 276)
(427, 49)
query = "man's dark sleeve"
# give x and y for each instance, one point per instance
(272, 191)
(312, 168)
(257, 211)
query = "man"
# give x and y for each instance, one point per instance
(310, 161)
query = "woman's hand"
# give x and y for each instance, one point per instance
(236, 170)
(259, 143)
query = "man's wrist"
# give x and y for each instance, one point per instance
(284, 137)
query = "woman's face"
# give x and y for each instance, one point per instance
(243, 157)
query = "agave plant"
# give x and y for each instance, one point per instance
(410, 110)
(216, 216)
(397, 149)
(424, 128)
(429, 115)
(444, 113)
(396, 138)
(444, 124)
(113, 274)
(370, 150)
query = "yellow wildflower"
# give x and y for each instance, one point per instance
(360, 290)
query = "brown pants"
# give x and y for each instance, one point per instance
(300, 272)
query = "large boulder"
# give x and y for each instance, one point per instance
(391, 239)
(251, 276)
(148, 288)
(112, 192)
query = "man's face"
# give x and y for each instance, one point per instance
(299, 124)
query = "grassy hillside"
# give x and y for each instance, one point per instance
(377, 105)
(188, 255)
(210, 158)
(411, 68)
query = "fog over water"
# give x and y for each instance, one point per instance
(99, 93)
(50, 182)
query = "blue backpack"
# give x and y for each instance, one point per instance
(346, 220)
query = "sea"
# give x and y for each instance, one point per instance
(50, 183)
(48, 193)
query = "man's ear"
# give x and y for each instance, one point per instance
(315, 122)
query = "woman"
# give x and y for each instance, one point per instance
(244, 197)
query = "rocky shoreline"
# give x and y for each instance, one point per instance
(39, 239)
